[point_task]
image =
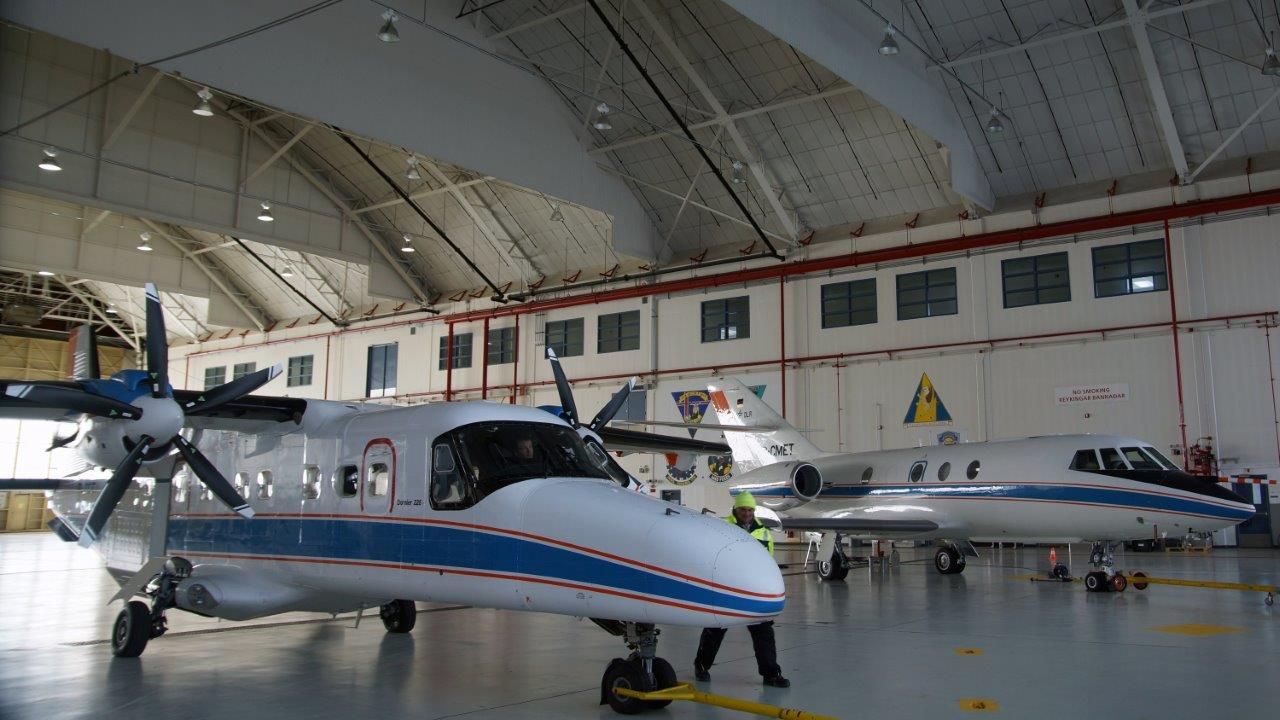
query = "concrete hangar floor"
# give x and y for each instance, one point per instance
(906, 644)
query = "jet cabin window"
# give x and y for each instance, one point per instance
(1085, 460)
(917, 471)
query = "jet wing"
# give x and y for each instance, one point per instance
(878, 527)
(634, 441)
(248, 414)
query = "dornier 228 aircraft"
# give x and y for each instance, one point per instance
(1064, 488)
(477, 503)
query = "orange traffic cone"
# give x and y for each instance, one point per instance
(1053, 558)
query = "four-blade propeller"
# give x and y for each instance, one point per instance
(569, 408)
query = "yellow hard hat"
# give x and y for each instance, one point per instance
(744, 500)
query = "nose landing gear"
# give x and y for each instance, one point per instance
(137, 623)
(642, 670)
(1104, 577)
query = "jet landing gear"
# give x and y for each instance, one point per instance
(949, 560)
(1104, 577)
(136, 624)
(837, 566)
(399, 616)
(642, 670)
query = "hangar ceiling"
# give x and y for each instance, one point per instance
(798, 122)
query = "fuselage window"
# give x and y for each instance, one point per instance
(943, 471)
(917, 471)
(310, 482)
(242, 483)
(264, 485)
(1085, 460)
(180, 489)
(379, 480)
(1111, 459)
(972, 471)
(1138, 460)
(448, 484)
(1155, 454)
(346, 480)
(866, 475)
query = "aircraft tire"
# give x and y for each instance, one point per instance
(399, 616)
(1095, 582)
(948, 560)
(624, 674)
(833, 569)
(665, 676)
(132, 630)
(1119, 582)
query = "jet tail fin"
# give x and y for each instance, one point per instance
(765, 438)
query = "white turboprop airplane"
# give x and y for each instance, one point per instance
(1065, 488)
(359, 506)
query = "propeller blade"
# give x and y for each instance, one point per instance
(157, 345)
(70, 398)
(82, 346)
(234, 390)
(615, 404)
(114, 490)
(212, 479)
(569, 408)
(61, 441)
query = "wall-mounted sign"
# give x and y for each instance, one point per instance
(1110, 392)
(926, 407)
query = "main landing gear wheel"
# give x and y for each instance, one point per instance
(1095, 581)
(399, 616)
(833, 569)
(948, 560)
(132, 630)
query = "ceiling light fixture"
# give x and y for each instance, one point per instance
(388, 32)
(145, 245)
(286, 272)
(50, 161)
(994, 125)
(203, 108)
(408, 244)
(412, 173)
(265, 214)
(556, 215)
(111, 309)
(1271, 65)
(737, 172)
(889, 44)
(602, 119)
(44, 273)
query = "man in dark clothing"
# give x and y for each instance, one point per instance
(744, 516)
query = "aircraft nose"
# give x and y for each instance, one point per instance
(747, 568)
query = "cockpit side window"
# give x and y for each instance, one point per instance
(1085, 460)
(448, 483)
(497, 454)
(1139, 460)
(607, 463)
(1154, 454)
(1111, 459)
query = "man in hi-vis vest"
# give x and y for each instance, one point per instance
(744, 516)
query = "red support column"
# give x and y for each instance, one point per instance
(484, 363)
(448, 366)
(1177, 354)
(782, 340)
(515, 360)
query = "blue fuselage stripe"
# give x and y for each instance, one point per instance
(438, 546)
(1033, 492)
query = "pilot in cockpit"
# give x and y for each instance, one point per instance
(525, 457)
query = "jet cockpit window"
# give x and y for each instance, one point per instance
(917, 471)
(379, 480)
(1085, 460)
(1158, 457)
(1139, 460)
(607, 463)
(497, 454)
(1111, 459)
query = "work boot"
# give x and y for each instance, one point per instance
(701, 672)
(777, 681)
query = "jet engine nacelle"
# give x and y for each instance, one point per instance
(783, 485)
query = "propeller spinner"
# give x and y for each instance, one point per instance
(156, 429)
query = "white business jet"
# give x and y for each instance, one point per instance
(358, 506)
(1065, 488)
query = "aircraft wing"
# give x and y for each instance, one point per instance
(32, 484)
(248, 414)
(878, 527)
(633, 441)
(699, 426)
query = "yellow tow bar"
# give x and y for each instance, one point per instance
(1139, 581)
(686, 691)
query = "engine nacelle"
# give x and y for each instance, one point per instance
(783, 485)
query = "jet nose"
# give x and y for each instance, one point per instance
(746, 570)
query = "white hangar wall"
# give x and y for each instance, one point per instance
(995, 369)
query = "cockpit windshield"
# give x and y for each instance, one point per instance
(498, 454)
